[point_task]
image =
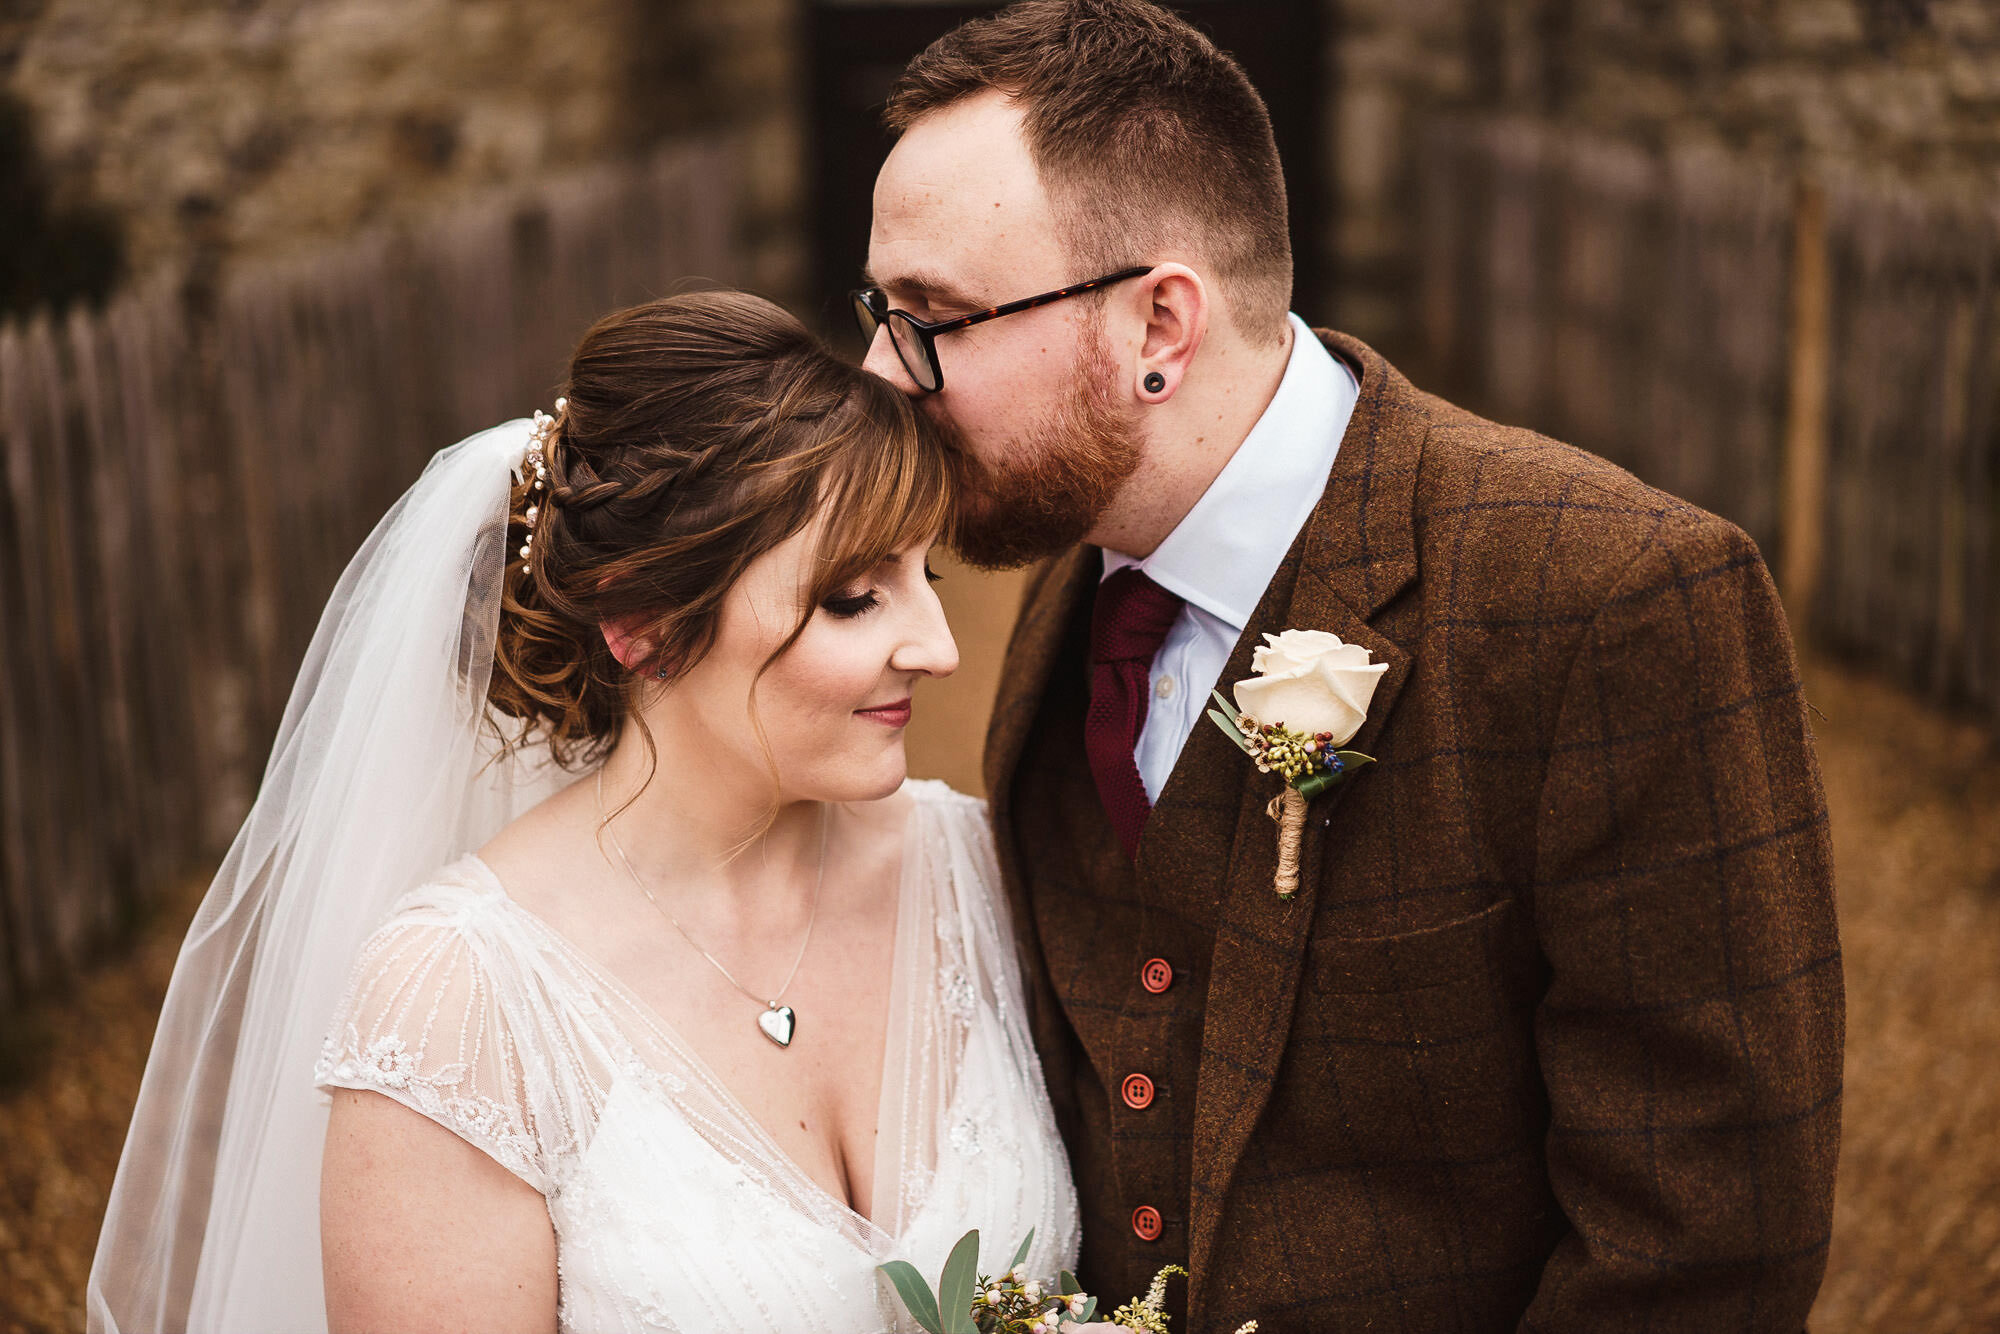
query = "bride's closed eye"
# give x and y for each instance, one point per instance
(847, 606)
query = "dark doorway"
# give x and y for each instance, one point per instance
(856, 50)
(49, 255)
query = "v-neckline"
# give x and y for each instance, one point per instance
(646, 1010)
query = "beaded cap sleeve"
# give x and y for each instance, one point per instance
(447, 1016)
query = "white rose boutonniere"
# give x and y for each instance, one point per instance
(1309, 697)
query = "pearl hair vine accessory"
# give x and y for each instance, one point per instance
(538, 466)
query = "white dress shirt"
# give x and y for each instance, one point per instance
(1223, 553)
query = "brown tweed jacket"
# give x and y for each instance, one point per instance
(1550, 1038)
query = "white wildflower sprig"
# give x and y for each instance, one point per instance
(1148, 1315)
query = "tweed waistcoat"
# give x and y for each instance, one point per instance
(1550, 1037)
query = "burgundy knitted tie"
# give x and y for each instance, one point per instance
(1127, 627)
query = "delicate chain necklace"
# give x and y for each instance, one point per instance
(776, 1022)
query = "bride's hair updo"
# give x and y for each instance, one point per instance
(701, 431)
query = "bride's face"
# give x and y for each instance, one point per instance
(834, 705)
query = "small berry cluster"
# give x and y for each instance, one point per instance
(1296, 755)
(1013, 1303)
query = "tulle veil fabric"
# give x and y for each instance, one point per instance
(382, 772)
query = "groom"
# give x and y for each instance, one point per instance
(1550, 1036)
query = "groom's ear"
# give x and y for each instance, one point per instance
(1175, 307)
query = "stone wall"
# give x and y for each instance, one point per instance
(1904, 93)
(217, 133)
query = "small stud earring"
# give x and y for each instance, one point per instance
(1155, 382)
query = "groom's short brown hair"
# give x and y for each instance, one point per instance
(1145, 135)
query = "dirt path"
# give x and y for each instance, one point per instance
(1916, 819)
(1916, 833)
(60, 1135)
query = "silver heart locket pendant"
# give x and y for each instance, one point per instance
(778, 1023)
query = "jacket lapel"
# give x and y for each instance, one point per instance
(1355, 554)
(1048, 605)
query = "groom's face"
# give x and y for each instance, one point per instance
(962, 223)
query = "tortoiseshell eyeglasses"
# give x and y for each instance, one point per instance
(915, 340)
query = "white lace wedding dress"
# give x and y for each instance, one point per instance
(673, 1209)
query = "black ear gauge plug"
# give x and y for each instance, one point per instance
(1155, 382)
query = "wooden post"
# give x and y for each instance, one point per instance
(1802, 503)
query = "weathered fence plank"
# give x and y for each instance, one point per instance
(1913, 438)
(181, 481)
(1649, 307)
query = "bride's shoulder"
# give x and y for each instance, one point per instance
(937, 796)
(453, 896)
(956, 820)
(455, 925)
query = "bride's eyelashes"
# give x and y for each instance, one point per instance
(847, 606)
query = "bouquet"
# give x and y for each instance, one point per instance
(967, 1302)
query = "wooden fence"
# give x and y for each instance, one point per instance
(180, 482)
(182, 479)
(1817, 361)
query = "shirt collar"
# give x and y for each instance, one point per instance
(1223, 553)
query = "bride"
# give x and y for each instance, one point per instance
(699, 1010)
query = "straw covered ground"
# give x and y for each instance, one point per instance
(1916, 818)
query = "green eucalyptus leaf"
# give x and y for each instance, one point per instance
(1227, 708)
(1314, 784)
(1066, 1284)
(1089, 1310)
(1320, 780)
(1230, 730)
(916, 1294)
(954, 1296)
(1021, 1251)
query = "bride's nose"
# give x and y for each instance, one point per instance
(927, 646)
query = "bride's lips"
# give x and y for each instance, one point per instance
(894, 715)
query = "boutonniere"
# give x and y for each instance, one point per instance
(1308, 698)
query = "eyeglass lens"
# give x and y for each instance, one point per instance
(903, 336)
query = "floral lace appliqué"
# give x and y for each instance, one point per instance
(387, 1063)
(968, 1136)
(956, 992)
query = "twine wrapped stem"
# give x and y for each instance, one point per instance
(1289, 810)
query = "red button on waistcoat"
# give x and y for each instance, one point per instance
(1146, 1223)
(1156, 976)
(1138, 1091)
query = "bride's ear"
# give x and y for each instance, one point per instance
(626, 638)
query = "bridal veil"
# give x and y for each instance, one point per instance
(382, 771)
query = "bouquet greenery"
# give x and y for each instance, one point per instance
(967, 1302)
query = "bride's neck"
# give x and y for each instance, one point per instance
(686, 821)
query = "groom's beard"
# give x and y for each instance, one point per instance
(1059, 475)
